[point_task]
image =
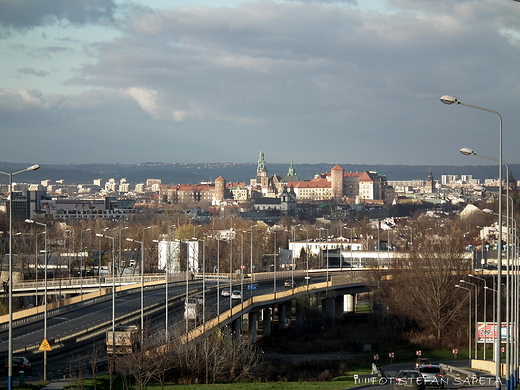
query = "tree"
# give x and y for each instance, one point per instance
(422, 284)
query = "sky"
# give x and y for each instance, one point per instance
(309, 81)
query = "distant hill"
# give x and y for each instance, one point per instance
(174, 173)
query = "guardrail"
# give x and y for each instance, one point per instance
(259, 300)
(458, 372)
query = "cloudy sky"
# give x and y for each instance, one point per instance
(346, 81)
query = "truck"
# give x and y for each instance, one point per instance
(126, 340)
(192, 308)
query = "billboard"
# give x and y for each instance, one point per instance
(487, 332)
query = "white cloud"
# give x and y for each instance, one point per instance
(145, 98)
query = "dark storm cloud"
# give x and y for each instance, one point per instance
(320, 81)
(31, 72)
(26, 14)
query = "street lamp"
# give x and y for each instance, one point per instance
(485, 309)
(476, 305)
(351, 229)
(142, 283)
(448, 99)
(81, 263)
(307, 254)
(99, 259)
(469, 319)
(120, 254)
(241, 268)
(327, 243)
(167, 274)
(231, 270)
(113, 286)
(36, 267)
(274, 262)
(251, 270)
(44, 295)
(10, 282)
(218, 276)
(511, 304)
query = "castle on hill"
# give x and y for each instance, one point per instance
(275, 191)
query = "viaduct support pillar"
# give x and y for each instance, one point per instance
(253, 325)
(300, 316)
(328, 310)
(236, 326)
(349, 303)
(267, 321)
(338, 308)
(282, 316)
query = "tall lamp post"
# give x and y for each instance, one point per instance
(81, 263)
(10, 282)
(251, 270)
(447, 99)
(485, 308)
(142, 283)
(469, 319)
(36, 267)
(120, 254)
(167, 275)
(241, 267)
(351, 230)
(511, 305)
(327, 242)
(293, 230)
(231, 238)
(306, 254)
(44, 295)
(476, 305)
(274, 262)
(113, 285)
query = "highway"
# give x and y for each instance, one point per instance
(94, 319)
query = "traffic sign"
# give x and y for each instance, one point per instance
(45, 346)
(418, 353)
(391, 355)
(455, 351)
(376, 357)
(251, 286)
(243, 266)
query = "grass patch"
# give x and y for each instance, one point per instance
(27, 386)
(102, 383)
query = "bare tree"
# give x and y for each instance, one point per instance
(95, 355)
(422, 285)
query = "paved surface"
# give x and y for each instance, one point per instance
(58, 384)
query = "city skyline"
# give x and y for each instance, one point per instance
(113, 81)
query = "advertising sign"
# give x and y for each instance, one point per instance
(487, 332)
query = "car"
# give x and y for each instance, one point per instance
(191, 301)
(421, 361)
(19, 364)
(409, 379)
(200, 299)
(289, 283)
(226, 292)
(236, 295)
(432, 374)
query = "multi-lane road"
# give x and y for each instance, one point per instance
(73, 333)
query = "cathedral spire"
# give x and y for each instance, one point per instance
(292, 170)
(261, 163)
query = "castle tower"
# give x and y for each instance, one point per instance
(220, 187)
(336, 180)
